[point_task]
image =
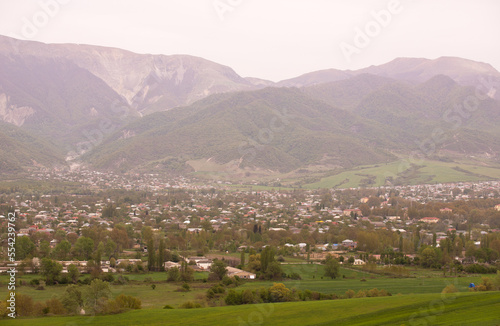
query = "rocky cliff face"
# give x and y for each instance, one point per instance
(12, 113)
(148, 82)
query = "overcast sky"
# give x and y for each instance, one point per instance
(270, 39)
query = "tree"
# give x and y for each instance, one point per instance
(96, 294)
(120, 237)
(51, 270)
(280, 293)
(84, 247)
(24, 248)
(217, 270)
(109, 247)
(173, 274)
(274, 271)
(428, 257)
(44, 250)
(186, 272)
(161, 255)
(242, 259)
(62, 250)
(266, 257)
(147, 234)
(151, 255)
(350, 260)
(73, 273)
(332, 267)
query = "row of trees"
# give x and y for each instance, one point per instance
(94, 298)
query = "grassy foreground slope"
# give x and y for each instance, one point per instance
(422, 309)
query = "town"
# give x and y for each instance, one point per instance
(88, 226)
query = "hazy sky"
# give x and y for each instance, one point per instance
(271, 39)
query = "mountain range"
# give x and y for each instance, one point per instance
(113, 109)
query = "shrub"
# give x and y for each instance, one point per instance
(487, 284)
(450, 289)
(480, 269)
(233, 298)
(361, 294)
(111, 307)
(24, 305)
(247, 297)
(35, 282)
(349, 294)
(173, 274)
(168, 307)
(121, 280)
(128, 302)
(190, 305)
(3, 309)
(226, 280)
(107, 277)
(55, 307)
(481, 287)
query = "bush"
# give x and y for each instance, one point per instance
(450, 289)
(226, 280)
(247, 297)
(128, 302)
(295, 276)
(168, 307)
(215, 291)
(190, 305)
(173, 274)
(121, 280)
(121, 303)
(487, 284)
(233, 298)
(24, 305)
(480, 269)
(107, 277)
(360, 294)
(481, 288)
(85, 281)
(35, 282)
(55, 307)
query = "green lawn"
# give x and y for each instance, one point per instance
(430, 172)
(421, 309)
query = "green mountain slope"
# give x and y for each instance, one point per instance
(21, 151)
(274, 129)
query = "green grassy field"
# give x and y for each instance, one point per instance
(421, 309)
(312, 279)
(428, 172)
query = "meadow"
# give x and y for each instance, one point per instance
(420, 309)
(428, 171)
